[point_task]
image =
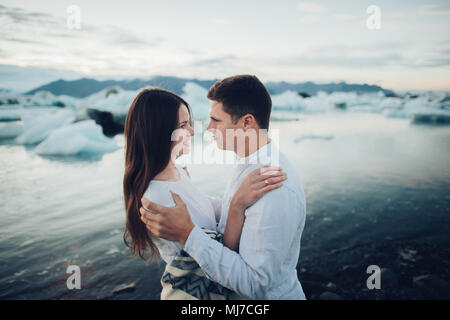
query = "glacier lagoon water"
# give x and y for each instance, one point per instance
(366, 178)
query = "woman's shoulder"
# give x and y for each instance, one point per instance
(159, 193)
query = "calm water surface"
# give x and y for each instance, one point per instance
(356, 169)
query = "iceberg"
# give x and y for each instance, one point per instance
(77, 138)
(391, 103)
(113, 99)
(288, 100)
(195, 95)
(38, 127)
(395, 113)
(9, 115)
(10, 130)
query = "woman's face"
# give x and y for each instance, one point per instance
(181, 137)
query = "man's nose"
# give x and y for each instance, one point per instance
(210, 127)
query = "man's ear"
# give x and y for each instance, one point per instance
(248, 121)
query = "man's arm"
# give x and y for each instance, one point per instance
(269, 229)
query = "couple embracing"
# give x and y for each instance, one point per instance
(245, 245)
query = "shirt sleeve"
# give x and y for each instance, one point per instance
(266, 241)
(217, 205)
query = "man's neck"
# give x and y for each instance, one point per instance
(250, 148)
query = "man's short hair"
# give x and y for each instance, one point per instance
(243, 94)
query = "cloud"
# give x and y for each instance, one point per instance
(433, 10)
(116, 35)
(20, 16)
(310, 7)
(345, 17)
(214, 61)
(29, 26)
(369, 56)
(309, 18)
(14, 39)
(34, 39)
(221, 22)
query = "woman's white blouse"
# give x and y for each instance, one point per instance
(200, 208)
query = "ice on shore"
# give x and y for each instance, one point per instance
(77, 138)
(38, 127)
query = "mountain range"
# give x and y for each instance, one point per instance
(85, 86)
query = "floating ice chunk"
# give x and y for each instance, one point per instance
(9, 115)
(41, 98)
(283, 118)
(195, 95)
(112, 99)
(430, 116)
(288, 100)
(395, 113)
(38, 127)
(77, 138)
(391, 102)
(317, 103)
(113, 250)
(363, 108)
(10, 130)
(27, 242)
(19, 273)
(312, 136)
(420, 103)
(66, 101)
(337, 105)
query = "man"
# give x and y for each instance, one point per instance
(265, 267)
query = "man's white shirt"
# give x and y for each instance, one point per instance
(265, 267)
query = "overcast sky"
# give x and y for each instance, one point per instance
(319, 41)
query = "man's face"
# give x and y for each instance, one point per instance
(219, 122)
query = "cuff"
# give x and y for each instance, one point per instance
(195, 242)
(197, 245)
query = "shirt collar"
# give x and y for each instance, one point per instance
(262, 155)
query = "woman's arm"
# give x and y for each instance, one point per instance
(233, 229)
(251, 189)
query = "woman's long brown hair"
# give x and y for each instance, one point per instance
(150, 122)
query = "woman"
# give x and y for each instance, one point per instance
(157, 131)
